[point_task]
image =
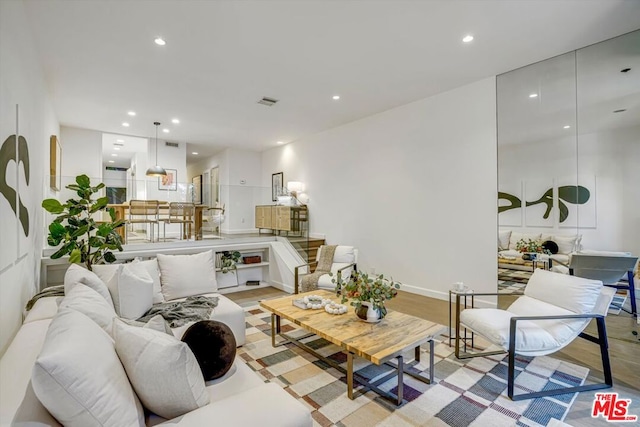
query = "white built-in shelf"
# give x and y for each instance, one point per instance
(241, 288)
(241, 266)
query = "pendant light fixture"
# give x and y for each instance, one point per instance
(156, 170)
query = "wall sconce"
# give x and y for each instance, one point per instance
(296, 189)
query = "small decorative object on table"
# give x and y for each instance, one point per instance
(335, 308)
(530, 248)
(367, 294)
(314, 302)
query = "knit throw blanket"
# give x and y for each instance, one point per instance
(180, 313)
(310, 281)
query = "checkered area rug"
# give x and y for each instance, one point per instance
(468, 392)
(507, 275)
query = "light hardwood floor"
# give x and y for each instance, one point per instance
(623, 350)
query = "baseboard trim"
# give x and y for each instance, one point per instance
(480, 303)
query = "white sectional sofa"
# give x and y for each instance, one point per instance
(507, 241)
(228, 396)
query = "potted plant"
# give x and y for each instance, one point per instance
(226, 263)
(228, 260)
(529, 247)
(367, 294)
(82, 238)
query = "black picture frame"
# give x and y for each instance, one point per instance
(277, 180)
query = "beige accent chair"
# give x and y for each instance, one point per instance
(345, 260)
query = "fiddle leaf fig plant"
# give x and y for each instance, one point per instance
(80, 236)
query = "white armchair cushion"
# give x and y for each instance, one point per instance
(575, 294)
(79, 378)
(344, 254)
(186, 275)
(532, 337)
(162, 369)
(503, 239)
(85, 300)
(516, 237)
(130, 286)
(77, 274)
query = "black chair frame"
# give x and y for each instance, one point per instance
(601, 340)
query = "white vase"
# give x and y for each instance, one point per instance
(372, 315)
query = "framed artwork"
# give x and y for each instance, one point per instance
(197, 189)
(169, 182)
(276, 185)
(55, 163)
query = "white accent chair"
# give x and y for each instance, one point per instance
(554, 310)
(345, 260)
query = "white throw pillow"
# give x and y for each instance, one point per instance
(516, 237)
(185, 275)
(566, 244)
(152, 268)
(569, 292)
(132, 291)
(503, 239)
(90, 303)
(77, 274)
(162, 369)
(79, 378)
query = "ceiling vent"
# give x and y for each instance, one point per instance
(172, 144)
(269, 102)
(118, 144)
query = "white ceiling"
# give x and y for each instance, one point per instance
(221, 57)
(131, 145)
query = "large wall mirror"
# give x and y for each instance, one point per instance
(569, 153)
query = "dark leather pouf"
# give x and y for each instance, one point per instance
(214, 346)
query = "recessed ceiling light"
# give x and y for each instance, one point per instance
(160, 41)
(125, 124)
(336, 97)
(195, 153)
(116, 148)
(112, 161)
(280, 142)
(566, 127)
(175, 121)
(533, 95)
(620, 111)
(165, 130)
(119, 140)
(467, 38)
(114, 155)
(131, 113)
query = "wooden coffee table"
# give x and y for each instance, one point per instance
(377, 342)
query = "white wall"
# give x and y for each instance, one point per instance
(168, 158)
(414, 188)
(114, 178)
(81, 153)
(22, 83)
